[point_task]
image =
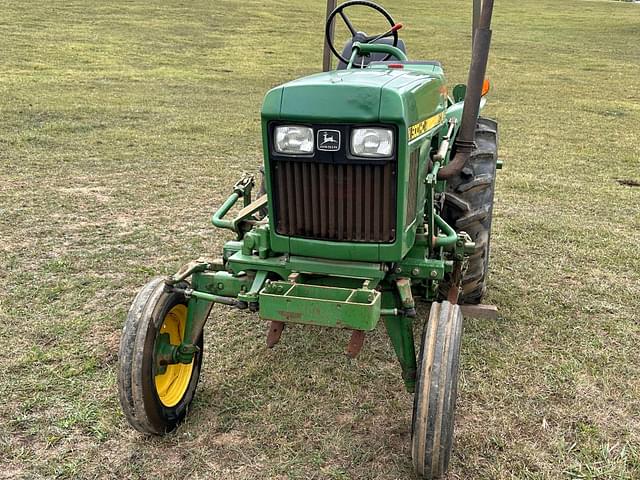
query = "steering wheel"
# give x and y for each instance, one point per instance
(359, 36)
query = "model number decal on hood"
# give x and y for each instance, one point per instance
(424, 126)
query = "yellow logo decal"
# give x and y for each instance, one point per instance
(424, 126)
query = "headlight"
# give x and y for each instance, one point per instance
(372, 142)
(294, 140)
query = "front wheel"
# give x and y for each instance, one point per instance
(434, 403)
(155, 397)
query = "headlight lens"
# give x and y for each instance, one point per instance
(294, 140)
(372, 142)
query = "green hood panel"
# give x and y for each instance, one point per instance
(362, 96)
(412, 98)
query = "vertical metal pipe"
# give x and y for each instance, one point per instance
(326, 55)
(465, 139)
(477, 8)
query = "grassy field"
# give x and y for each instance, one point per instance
(123, 125)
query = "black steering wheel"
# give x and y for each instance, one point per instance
(359, 36)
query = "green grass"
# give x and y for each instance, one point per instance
(122, 126)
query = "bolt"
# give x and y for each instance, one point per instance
(433, 273)
(415, 272)
(398, 270)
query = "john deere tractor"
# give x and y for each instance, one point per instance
(377, 191)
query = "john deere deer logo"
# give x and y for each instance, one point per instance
(329, 140)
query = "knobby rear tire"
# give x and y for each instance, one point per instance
(468, 206)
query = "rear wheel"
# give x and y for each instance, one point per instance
(434, 403)
(155, 397)
(468, 206)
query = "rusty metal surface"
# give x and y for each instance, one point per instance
(274, 333)
(326, 54)
(488, 312)
(477, 8)
(339, 202)
(456, 281)
(254, 206)
(477, 70)
(355, 344)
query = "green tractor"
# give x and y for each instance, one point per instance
(377, 190)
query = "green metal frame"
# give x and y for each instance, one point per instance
(316, 291)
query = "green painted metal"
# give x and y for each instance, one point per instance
(431, 269)
(242, 189)
(164, 353)
(357, 309)
(284, 266)
(257, 240)
(231, 247)
(406, 297)
(368, 48)
(251, 297)
(222, 283)
(208, 297)
(400, 331)
(217, 218)
(451, 236)
(197, 313)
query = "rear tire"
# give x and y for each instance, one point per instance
(468, 207)
(154, 402)
(434, 403)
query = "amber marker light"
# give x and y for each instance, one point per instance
(486, 86)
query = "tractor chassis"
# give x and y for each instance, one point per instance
(328, 293)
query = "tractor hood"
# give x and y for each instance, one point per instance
(364, 96)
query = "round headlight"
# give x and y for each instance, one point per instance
(293, 140)
(372, 142)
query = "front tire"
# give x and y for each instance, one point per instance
(434, 402)
(155, 401)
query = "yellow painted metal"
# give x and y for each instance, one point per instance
(172, 385)
(425, 126)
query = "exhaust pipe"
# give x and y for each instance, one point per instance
(464, 143)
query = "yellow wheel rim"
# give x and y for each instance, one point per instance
(174, 382)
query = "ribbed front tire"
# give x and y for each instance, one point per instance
(434, 402)
(154, 401)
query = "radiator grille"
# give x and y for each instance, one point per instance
(334, 201)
